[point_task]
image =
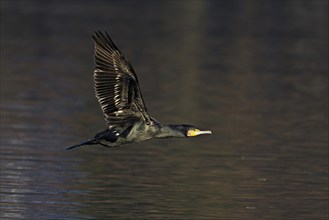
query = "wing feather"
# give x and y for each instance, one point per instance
(116, 84)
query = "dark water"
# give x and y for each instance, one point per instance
(254, 72)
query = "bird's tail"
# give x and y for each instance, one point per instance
(88, 142)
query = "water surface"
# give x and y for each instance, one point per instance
(254, 72)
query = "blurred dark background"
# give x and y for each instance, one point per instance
(253, 72)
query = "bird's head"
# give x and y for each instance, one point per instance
(189, 130)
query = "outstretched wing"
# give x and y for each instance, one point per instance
(116, 84)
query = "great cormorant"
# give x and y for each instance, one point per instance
(118, 93)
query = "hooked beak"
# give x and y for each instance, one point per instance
(196, 132)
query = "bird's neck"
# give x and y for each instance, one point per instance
(167, 131)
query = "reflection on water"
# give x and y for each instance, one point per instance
(255, 73)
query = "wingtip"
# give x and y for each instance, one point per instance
(103, 39)
(96, 34)
(100, 33)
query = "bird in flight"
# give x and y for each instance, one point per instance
(120, 98)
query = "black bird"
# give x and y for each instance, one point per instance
(118, 93)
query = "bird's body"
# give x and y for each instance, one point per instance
(121, 100)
